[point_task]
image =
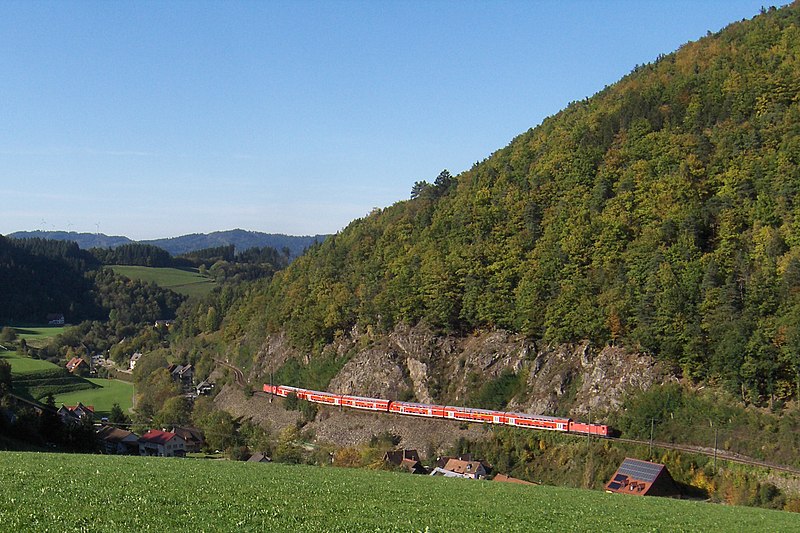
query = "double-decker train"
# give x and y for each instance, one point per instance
(524, 420)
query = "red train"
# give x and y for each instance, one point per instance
(551, 423)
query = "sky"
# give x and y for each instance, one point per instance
(158, 119)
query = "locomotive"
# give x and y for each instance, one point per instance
(449, 412)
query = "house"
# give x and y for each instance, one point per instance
(74, 414)
(396, 457)
(162, 444)
(471, 469)
(183, 375)
(162, 324)
(193, 438)
(55, 319)
(642, 478)
(77, 365)
(508, 479)
(118, 441)
(445, 473)
(134, 359)
(259, 457)
(204, 388)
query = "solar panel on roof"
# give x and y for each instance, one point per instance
(614, 485)
(620, 477)
(641, 470)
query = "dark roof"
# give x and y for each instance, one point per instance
(259, 457)
(112, 434)
(188, 433)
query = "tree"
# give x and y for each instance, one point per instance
(8, 334)
(117, 416)
(5, 374)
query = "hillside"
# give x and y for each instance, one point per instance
(228, 496)
(241, 239)
(660, 215)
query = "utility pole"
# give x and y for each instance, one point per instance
(271, 393)
(715, 450)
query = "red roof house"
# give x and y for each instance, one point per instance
(642, 478)
(162, 444)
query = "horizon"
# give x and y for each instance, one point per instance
(155, 121)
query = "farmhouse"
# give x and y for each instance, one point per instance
(193, 437)
(470, 469)
(162, 444)
(134, 359)
(183, 375)
(642, 478)
(73, 414)
(76, 365)
(117, 441)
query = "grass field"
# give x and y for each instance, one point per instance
(22, 365)
(188, 282)
(38, 491)
(102, 398)
(34, 378)
(38, 336)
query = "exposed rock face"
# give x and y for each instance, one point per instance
(414, 363)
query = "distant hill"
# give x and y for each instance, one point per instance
(83, 240)
(241, 239)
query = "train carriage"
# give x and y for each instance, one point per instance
(367, 404)
(550, 423)
(417, 409)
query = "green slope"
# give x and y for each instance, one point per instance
(37, 493)
(660, 214)
(187, 282)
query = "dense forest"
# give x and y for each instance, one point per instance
(660, 214)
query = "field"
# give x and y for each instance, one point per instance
(35, 379)
(38, 491)
(106, 393)
(187, 282)
(38, 336)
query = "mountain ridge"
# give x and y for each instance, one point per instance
(241, 239)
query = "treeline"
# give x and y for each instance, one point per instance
(661, 214)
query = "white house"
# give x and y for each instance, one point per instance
(162, 444)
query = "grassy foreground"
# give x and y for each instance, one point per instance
(38, 492)
(189, 283)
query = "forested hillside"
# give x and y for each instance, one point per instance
(660, 214)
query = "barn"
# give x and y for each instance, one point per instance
(642, 478)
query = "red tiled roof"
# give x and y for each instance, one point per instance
(157, 437)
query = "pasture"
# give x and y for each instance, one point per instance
(102, 397)
(34, 378)
(38, 336)
(38, 491)
(188, 282)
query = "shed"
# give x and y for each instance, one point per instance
(642, 478)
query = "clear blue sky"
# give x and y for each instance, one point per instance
(156, 119)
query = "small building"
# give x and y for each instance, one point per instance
(508, 479)
(162, 324)
(259, 457)
(77, 365)
(134, 359)
(55, 319)
(204, 388)
(396, 457)
(642, 478)
(162, 444)
(118, 441)
(183, 375)
(471, 469)
(193, 437)
(74, 414)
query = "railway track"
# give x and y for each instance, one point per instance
(723, 455)
(709, 452)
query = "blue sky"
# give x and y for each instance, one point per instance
(156, 119)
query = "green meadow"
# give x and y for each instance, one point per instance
(102, 397)
(188, 282)
(38, 493)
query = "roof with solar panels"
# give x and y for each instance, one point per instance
(642, 478)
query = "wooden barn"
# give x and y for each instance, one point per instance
(642, 478)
